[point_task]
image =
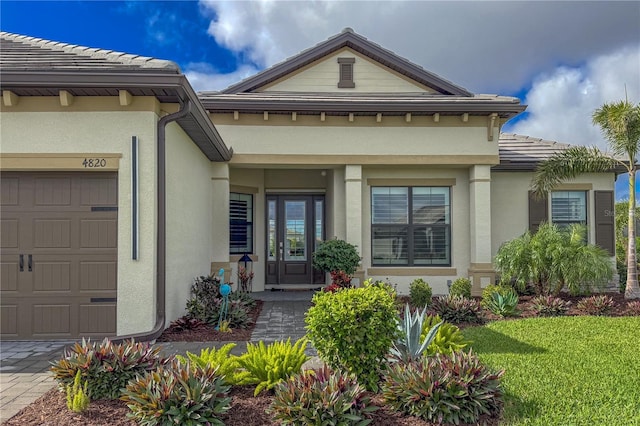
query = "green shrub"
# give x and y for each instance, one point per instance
(179, 394)
(411, 344)
(448, 339)
(552, 259)
(205, 303)
(454, 388)
(633, 308)
(461, 287)
(272, 364)
(77, 396)
(353, 329)
(549, 306)
(457, 309)
(420, 293)
(321, 397)
(503, 303)
(596, 305)
(106, 367)
(336, 255)
(227, 365)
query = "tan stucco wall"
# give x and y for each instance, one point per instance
(190, 233)
(453, 142)
(323, 76)
(510, 202)
(103, 132)
(460, 232)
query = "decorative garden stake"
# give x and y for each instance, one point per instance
(225, 289)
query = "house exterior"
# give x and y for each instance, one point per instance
(120, 183)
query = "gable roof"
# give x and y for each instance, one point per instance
(35, 67)
(348, 38)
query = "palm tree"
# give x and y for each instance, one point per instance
(620, 125)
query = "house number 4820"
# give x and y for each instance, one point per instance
(94, 162)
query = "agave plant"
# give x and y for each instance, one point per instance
(503, 303)
(410, 345)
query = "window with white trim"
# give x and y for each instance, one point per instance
(240, 223)
(411, 226)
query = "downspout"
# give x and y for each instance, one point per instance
(161, 231)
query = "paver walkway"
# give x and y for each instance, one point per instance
(24, 375)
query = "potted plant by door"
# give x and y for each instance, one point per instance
(339, 258)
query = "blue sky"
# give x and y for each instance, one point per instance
(563, 59)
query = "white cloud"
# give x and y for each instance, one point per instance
(494, 47)
(561, 102)
(204, 77)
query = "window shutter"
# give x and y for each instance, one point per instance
(538, 211)
(605, 220)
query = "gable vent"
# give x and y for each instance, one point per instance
(346, 73)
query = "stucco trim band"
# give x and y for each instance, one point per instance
(411, 182)
(243, 189)
(89, 162)
(363, 159)
(407, 272)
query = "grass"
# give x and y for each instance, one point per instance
(565, 370)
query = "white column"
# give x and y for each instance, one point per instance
(353, 205)
(480, 269)
(220, 218)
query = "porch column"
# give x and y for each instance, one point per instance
(481, 268)
(353, 209)
(220, 218)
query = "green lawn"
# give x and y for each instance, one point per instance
(565, 370)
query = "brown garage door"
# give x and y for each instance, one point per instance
(58, 255)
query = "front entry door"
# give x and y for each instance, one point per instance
(295, 226)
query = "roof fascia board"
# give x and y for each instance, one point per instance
(357, 43)
(363, 106)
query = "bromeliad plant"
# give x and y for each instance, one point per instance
(457, 309)
(106, 367)
(455, 388)
(181, 393)
(411, 344)
(549, 306)
(503, 303)
(321, 397)
(596, 305)
(271, 364)
(448, 339)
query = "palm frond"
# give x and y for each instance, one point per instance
(569, 164)
(620, 125)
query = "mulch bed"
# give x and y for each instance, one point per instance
(208, 333)
(246, 410)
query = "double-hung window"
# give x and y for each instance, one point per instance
(240, 223)
(411, 226)
(568, 208)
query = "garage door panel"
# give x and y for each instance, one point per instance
(9, 275)
(98, 192)
(52, 233)
(98, 276)
(52, 320)
(51, 191)
(9, 230)
(97, 319)
(9, 191)
(98, 233)
(9, 320)
(66, 224)
(52, 276)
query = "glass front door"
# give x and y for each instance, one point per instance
(295, 226)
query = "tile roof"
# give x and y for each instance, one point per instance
(24, 53)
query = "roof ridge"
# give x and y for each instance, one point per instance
(97, 53)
